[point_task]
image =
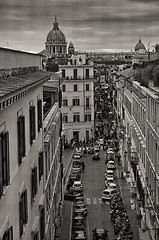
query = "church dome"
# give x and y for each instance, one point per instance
(56, 35)
(139, 46)
(71, 45)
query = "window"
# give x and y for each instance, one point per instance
(75, 73)
(64, 88)
(41, 165)
(76, 118)
(87, 87)
(65, 102)
(63, 74)
(87, 73)
(39, 109)
(4, 161)
(34, 186)
(65, 118)
(75, 88)
(21, 138)
(32, 123)
(87, 103)
(23, 211)
(53, 49)
(42, 223)
(8, 235)
(36, 236)
(75, 102)
(75, 62)
(88, 117)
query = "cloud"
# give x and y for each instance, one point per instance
(87, 23)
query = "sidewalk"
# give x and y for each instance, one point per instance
(125, 189)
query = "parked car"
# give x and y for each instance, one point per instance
(101, 141)
(78, 223)
(110, 165)
(71, 195)
(99, 233)
(108, 193)
(81, 208)
(112, 186)
(90, 150)
(96, 148)
(80, 212)
(108, 181)
(77, 155)
(80, 235)
(77, 186)
(96, 156)
(109, 173)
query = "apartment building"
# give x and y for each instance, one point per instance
(52, 128)
(30, 167)
(78, 98)
(138, 109)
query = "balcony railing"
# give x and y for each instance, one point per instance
(78, 78)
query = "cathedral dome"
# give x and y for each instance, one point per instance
(139, 46)
(71, 45)
(56, 35)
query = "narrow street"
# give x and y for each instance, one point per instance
(93, 182)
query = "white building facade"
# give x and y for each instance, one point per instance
(78, 98)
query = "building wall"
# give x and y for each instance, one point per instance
(53, 188)
(16, 59)
(20, 176)
(70, 110)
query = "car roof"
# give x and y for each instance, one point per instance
(77, 182)
(100, 230)
(112, 184)
(109, 171)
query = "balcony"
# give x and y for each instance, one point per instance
(79, 78)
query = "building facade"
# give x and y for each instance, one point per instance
(30, 150)
(137, 107)
(78, 98)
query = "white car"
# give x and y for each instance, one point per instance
(110, 166)
(109, 173)
(108, 193)
(101, 141)
(77, 186)
(108, 181)
(112, 186)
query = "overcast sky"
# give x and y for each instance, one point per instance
(90, 24)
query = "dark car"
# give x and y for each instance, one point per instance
(78, 223)
(99, 233)
(71, 195)
(96, 156)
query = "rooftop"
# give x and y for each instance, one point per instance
(12, 84)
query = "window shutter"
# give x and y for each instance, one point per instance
(74, 118)
(1, 183)
(25, 207)
(5, 158)
(39, 114)
(19, 141)
(73, 102)
(42, 223)
(32, 185)
(78, 117)
(33, 122)
(20, 218)
(35, 179)
(10, 233)
(23, 135)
